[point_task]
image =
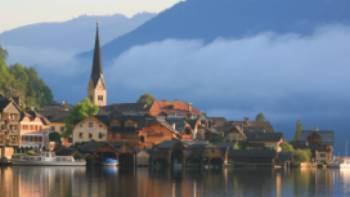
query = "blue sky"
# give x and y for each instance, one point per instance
(14, 13)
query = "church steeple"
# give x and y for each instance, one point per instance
(97, 87)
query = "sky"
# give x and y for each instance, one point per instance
(15, 13)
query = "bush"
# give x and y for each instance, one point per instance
(302, 155)
(287, 148)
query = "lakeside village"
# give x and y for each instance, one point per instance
(149, 132)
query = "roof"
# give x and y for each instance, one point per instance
(124, 109)
(254, 126)
(327, 137)
(141, 122)
(264, 137)
(32, 115)
(4, 102)
(97, 72)
(56, 112)
(173, 107)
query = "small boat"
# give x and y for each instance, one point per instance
(47, 159)
(110, 162)
(345, 165)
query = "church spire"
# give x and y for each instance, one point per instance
(97, 71)
(97, 90)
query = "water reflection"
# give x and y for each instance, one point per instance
(79, 181)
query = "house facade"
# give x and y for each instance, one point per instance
(90, 129)
(320, 142)
(9, 127)
(33, 130)
(139, 131)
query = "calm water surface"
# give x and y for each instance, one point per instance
(81, 181)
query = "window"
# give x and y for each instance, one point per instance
(100, 135)
(80, 135)
(52, 128)
(100, 98)
(62, 129)
(90, 135)
(142, 139)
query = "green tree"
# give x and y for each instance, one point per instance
(260, 117)
(302, 155)
(20, 81)
(146, 99)
(79, 112)
(298, 130)
(286, 147)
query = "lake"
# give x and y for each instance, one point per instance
(81, 181)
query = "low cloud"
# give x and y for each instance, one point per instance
(288, 77)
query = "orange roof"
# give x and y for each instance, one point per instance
(171, 107)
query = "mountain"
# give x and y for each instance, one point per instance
(74, 35)
(210, 19)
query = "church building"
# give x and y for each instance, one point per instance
(97, 90)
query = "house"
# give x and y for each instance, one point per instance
(249, 126)
(175, 108)
(56, 114)
(320, 142)
(261, 140)
(9, 126)
(33, 130)
(139, 131)
(167, 154)
(91, 129)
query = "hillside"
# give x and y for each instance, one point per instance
(22, 82)
(210, 19)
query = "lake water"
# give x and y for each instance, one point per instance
(81, 181)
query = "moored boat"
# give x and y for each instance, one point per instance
(47, 159)
(345, 165)
(110, 162)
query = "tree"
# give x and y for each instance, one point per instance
(146, 99)
(79, 112)
(302, 155)
(298, 130)
(24, 83)
(260, 117)
(3, 54)
(287, 148)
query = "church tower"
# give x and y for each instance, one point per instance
(97, 90)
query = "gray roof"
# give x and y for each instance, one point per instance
(125, 109)
(97, 71)
(327, 137)
(4, 102)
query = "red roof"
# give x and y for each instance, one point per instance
(172, 107)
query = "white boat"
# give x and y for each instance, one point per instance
(47, 159)
(345, 165)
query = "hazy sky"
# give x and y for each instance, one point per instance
(14, 13)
